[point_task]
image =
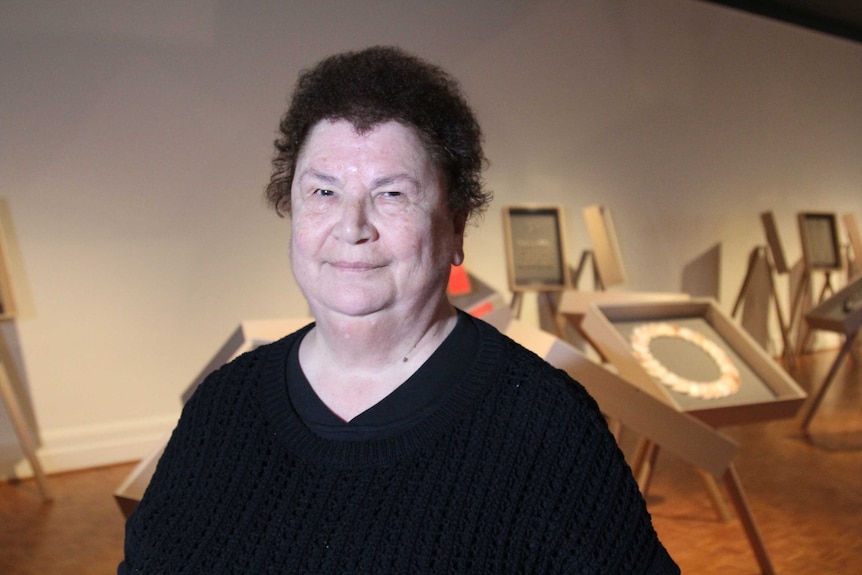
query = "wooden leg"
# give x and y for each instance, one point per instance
(810, 408)
(23, 431)
(787, 347)
(715, 495)
(517, 301)
(615, 426)
(640, 455)
(797, 313)
(645, 463)
(743, 511)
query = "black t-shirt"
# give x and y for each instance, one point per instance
(401, 409)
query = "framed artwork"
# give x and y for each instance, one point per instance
(695, 358)
(606, 248)
(818, 232)
(535, 248)
(774, 242)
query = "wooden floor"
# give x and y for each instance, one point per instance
(805, 490)
(805, 493)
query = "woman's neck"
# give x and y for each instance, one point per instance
(353, 363)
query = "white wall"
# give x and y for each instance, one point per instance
(136, 143)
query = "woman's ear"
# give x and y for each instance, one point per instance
(460, 223)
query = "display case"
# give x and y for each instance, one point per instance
(694, 358)
(618, 399)
(575, 303)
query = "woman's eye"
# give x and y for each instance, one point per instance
(323, 192)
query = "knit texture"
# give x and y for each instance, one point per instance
(515, 472)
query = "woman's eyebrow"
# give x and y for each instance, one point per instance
(317, 175)
(388, 180)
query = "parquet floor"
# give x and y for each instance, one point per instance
(805, 493)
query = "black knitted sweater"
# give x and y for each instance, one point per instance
(513, 472)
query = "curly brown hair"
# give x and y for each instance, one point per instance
(378, 85)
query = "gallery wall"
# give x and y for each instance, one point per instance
(136, 142)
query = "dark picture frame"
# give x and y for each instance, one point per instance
(535, 248)
(818, 233)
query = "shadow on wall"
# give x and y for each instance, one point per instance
(701, 277)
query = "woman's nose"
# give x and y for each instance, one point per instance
(355, 225)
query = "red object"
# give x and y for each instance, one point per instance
(482, 309)
(459, 282)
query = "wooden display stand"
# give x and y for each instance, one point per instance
(247, 336)
(842, 313)
(854, 264)
(607, 260)
(821, 252)
(766, 392)
(772, 258)
(25, 435)
(8, 379)
(572, 309)
(662, 426)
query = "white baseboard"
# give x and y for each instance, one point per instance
(96, 445)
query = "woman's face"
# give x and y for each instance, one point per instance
(371, 229)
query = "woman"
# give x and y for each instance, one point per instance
(395, 434)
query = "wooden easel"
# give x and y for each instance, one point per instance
(643, 466)
(7, 373)
(842, 314)
(798, 312)
(588, 258)
(761, 254)
(813, 403)
(704, 447)
(600, 325)
(821, 251)
(22, 429)
(547, 302)
(854, 246)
